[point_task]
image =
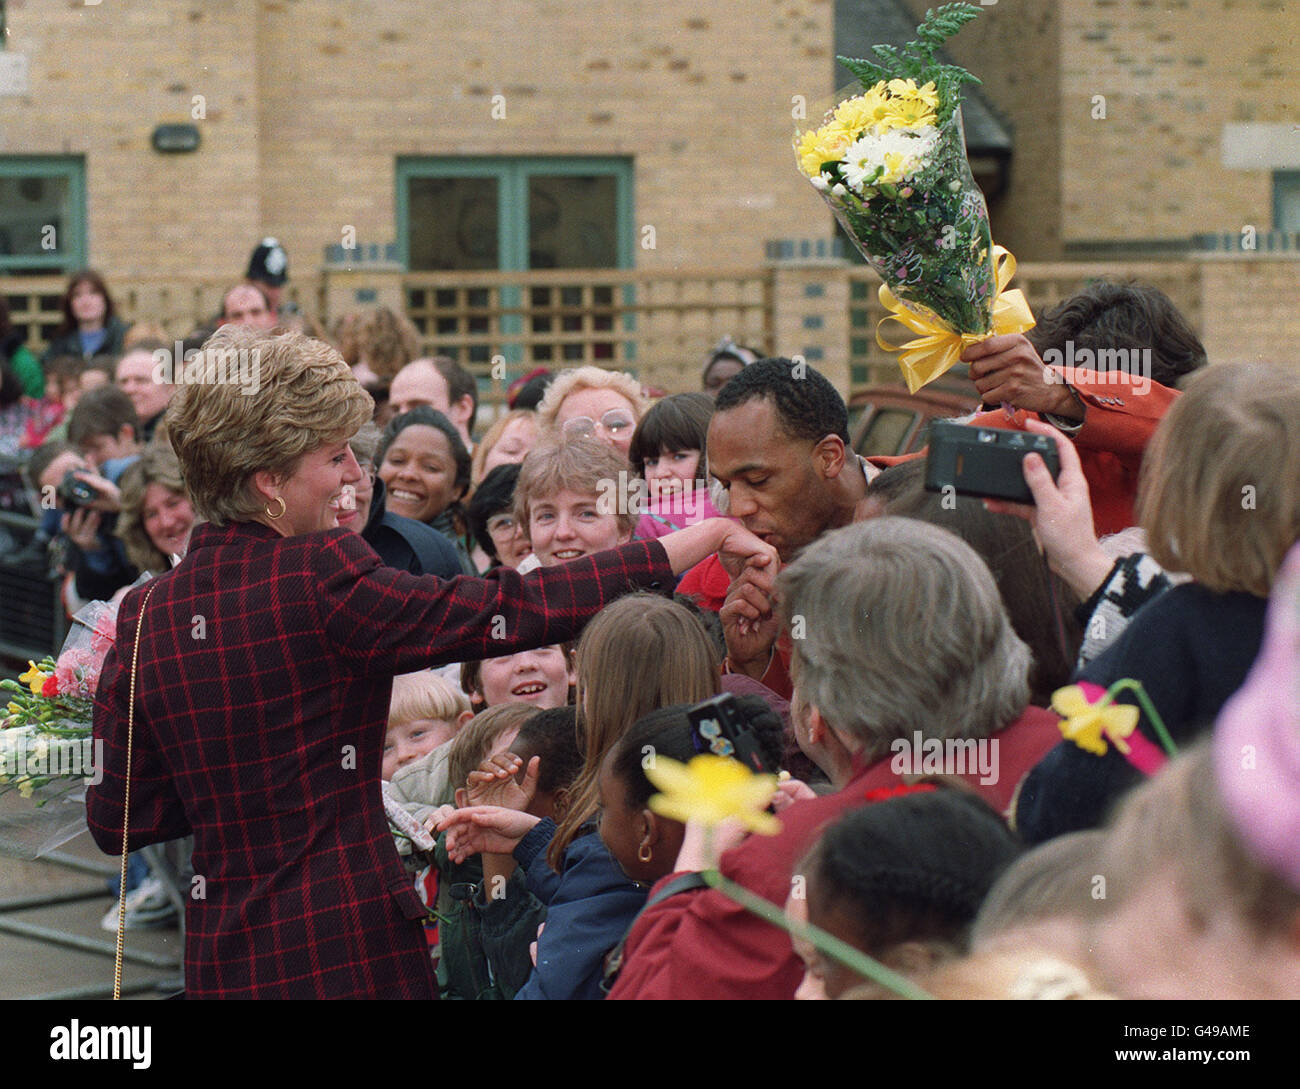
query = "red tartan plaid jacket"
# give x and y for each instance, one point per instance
(264, 678)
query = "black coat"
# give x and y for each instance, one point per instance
(407, 544)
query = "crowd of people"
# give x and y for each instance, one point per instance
(407, 752)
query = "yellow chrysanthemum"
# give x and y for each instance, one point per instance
(929, 94)
(856, 115)
(33, 678)
(712, 789)
(1088, 725)
(908, 113)
(818, 146)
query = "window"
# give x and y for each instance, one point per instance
(1286, 201)
(42, 214)
(484, 214)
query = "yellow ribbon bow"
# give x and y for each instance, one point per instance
(939, 346)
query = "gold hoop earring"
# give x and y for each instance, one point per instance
(283, 507)
(644, 853)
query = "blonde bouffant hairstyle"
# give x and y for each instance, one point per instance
(1220, 488)
(305, 397)
(580, 378)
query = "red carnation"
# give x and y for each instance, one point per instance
(51, 686)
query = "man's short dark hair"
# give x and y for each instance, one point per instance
(1107, 316)
(459, 383)
(102, 411)
(807, 405)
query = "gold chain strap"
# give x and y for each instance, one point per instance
(126, 804)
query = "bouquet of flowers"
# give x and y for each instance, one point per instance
(46, 751)
(891, 162)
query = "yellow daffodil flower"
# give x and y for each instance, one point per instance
(711, 789)
(1088, 725)
(33, 678)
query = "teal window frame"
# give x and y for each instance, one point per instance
(71, 253)
(1288, 182)
(512, 175)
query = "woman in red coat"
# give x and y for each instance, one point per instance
(265, 667)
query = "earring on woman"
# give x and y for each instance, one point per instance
(644, 853)
(283, 507)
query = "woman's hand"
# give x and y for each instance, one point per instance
(493, 782)
(482, 828)
(1062, 516)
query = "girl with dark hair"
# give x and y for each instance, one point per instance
(902, 880)
(667, 452)
(426, 469)
(90, 326)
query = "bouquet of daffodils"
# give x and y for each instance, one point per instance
(891, 162)
(47, 753)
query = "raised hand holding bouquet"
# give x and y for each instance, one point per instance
(891, 162)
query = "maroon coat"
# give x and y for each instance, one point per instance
(702, 944)
(265, 673)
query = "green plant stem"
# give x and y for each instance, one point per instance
(865, 966)
(1127, 684)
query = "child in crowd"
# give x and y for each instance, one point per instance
(426, 711)
(901, 880)
(542, 677)
(574, 499)
(493, 923)
(424, 784)
(667, 451)
(640, 653)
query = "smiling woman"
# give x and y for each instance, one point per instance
(426, 469)
(250, 685)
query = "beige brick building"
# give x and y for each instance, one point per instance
(655, 137)
(304, 106)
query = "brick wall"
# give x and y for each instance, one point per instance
(1014, 48)
(1173, 74)
(309, 102)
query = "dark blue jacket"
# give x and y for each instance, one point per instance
(1191, 649)
(590, 905)
(406, 544)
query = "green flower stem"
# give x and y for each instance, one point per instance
(1127, 684)
(852, 958)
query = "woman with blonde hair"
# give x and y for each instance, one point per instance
(261, 669)
(507, 441)
(593, 401)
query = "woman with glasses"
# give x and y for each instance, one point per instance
(590, 401)
(491, 516)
